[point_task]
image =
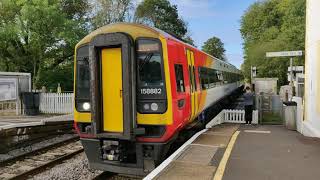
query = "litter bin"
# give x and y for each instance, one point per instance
(31, 102)
(290, 114)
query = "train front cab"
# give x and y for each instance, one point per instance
(123, 101)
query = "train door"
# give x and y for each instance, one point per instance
(193, 88)
(113, 71)
(112, 90)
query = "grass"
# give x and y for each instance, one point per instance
(271, 118)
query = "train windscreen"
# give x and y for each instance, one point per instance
(82, 96)
(150, 80)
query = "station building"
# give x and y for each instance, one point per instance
(311, 123)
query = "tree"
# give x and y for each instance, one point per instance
(214, 47)
(39, 35)
(189, 40)
(272, 25)
(162, 15)
(111, 11)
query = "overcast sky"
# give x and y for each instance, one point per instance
(221, 18)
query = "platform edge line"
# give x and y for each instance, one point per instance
(222, 165)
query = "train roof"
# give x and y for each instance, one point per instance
(140, 30)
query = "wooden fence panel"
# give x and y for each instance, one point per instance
(56, 103)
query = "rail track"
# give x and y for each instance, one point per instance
(37, 161)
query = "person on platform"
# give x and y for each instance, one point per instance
(248, 104)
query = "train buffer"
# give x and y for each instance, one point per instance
(240, 152)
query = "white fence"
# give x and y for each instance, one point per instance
(56, 103)
(238, 116)
(232, 116)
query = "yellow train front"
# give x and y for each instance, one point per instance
(136, 88)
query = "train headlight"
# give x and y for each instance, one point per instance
(86, 106)
(146, 107)
(154, 106)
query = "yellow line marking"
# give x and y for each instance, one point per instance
(226, 155)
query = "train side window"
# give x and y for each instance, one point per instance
(204, 81)
(212, 78)
(179, 77)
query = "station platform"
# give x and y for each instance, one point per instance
(21, 131)
(7, 122)
(241, 152)
(272, 153)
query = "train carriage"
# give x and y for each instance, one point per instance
(136, 88)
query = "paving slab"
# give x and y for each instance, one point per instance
(187, 171)
(198, 154)
(213, 140)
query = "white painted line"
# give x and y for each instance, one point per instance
(205, 145)
(255, 131)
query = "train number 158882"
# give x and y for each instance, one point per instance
(150, 91)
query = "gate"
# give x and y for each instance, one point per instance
(270, 109)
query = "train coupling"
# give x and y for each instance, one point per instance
(111, 151)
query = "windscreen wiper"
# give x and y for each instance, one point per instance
(146, 60)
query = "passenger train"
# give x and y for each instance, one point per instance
(136, 88)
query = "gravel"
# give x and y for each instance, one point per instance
(29, 148)
(76, 168)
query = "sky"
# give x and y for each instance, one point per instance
(220, 18)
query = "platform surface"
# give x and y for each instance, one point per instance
(273, 153)
(265, 152)
(200, 159)
(21, 121)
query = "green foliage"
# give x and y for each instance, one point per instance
(272, 25)
(162, 15)
(39, 35)
(111, 11)
(214, 47)
(61, 74)
(189, 40)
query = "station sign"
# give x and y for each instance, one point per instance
(8, 89)
(284, 54)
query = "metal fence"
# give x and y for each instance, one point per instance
(56, 103)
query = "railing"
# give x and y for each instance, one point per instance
(56, 103)
(232, 116)
(238, 116)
